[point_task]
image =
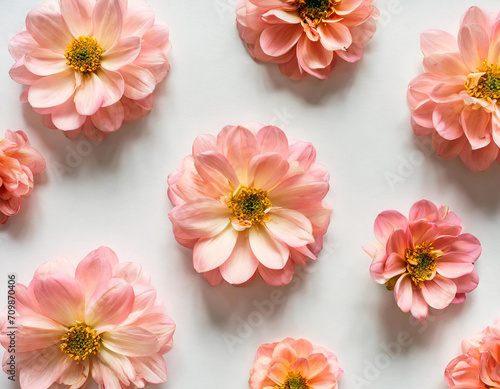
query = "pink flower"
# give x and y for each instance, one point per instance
(249, 201)
(101, 320)
(19, 162)
(294, 364)
(479, 364)
(90, 65)
(305, 36)
(457, 98)
(426, 260)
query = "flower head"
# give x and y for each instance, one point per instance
(90, 65)
(294, 364)
(100, 321)
(19, 162)
(305, 37)
(457, 98)
(477, 367)
(425, 259)
(250, 201)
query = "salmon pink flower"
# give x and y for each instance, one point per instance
(90, 65)
(294, 364)
(250, 201)
(19, 162)
(479, 364)
(425, 259)
(457, 98)
(100, 321)
(305, 37)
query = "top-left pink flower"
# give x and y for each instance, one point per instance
(90, 65)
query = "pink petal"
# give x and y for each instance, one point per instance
(424, 209)
(454, 265)
(267, 170)
(139, 82)
(66, 118)
(60, 298)
(278, 373)
(109, 119)
(22, 43)
(43, 369)
(131, 341)
(279, 39)
(317, 364)
(481, 159)
(303, 348)
(423, 231)
(403, 292)
(394, 266)
(19, 73)
(476, 126)
(301, 366)
(445, 64)
(432, 41)
(241, 264)
(89, 95)
(151, 368)
(210, 253)
(110, 305)
(56, 266)
(94, 270)
(439, 292)
(204, 142)
(423, 113)
(446, 148)
(216, 171)
(335, 36)
(398, 243)
(467, 283)
(272, 253)
(36, 332)
(347, 6)
(44, 62)
(387, 222)
(284, 352)
(419, 307)
(290, 227)
(114, 86)
(119, 365)
(48, 28)
(449, 90)
(77, 15)
(138, 22)
(446, 120)
(278, 277)
(203, 218)
(272, 140)
(107, 21)
(474, 45)
(313, 54)
(53, 90)
(123, 53)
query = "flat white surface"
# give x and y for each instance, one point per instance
(115, 195)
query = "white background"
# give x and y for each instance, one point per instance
(115, 195)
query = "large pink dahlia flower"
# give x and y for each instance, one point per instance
(294, 364)
(305, 36)
(457, 98)
(250, 201)
(479, 365)
(19, 162)
(425, 259)
(100, 321)
(90, 65)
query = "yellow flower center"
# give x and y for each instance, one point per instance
(84, 54)
(249, 204)
(485, 84)
(316, 10)
(80, 341)
(294, 381)
(421, 262)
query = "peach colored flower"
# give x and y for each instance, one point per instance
(90, 65)
(426, 260)
(100, 321)
(479, 365)
(294, 364)
(250, 201)
(456, 99)
(305, 37)
(19, 162)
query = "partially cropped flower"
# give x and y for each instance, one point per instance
(100, 321)
(305, 37)
(90, 65)
(294, 364)
(479, 365)
(425, 259)
(250, 201)
(457, 98)
(19, 162)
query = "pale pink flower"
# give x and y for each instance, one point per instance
(479, 365)
(100, 321)
(294, 364)
(90, 65)
(19, 162)
(425, 259)
(250, 201)
(305, 37)
(457, 98)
